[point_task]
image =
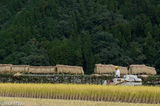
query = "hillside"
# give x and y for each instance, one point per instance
(80, 32)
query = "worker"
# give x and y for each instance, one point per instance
(117, 72)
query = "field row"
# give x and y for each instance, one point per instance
(141, 94)
(57, 102)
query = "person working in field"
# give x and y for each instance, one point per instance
(117, 72)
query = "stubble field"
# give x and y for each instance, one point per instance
(12, 101)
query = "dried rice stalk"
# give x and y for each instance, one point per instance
(17, 75)
(5, 68)
(109, 69)
(143, 76)
(95, 75)
(106, 75)
(20, 69)
(142, 69)
(123, 70)
(66, 69)
(42, 69)
(104, 69)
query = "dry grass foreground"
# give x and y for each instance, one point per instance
(11, 101)
(139, 94)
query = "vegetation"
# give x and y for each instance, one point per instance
(80, 32)
(56, 102)
(141, 94)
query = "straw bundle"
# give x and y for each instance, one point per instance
(5, 68)
(109, 69)
(104, 69)
(65, 69)
(106, 75)
(142, 69)
(42, 69)
(151, 70)
(19, 69)
(143, 76)
(17, 75)
(136, 69)
(123, 70)
(95, 75)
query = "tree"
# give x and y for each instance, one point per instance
(149, 49)
(31, 54)
(136, 53)
(87, 54)
(65, 52)
(105, 48)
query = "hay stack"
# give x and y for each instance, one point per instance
(109, 69)
(123, 70)
(42, 69)
(5, 68)
(104, 69)
(142, 69)
(151, 70)
(66, 69)
(136, 69)
(19, 69)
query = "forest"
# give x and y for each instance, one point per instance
(80, 32)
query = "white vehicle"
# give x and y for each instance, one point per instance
(128, 80)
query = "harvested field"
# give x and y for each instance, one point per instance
(56, 102)
(139, 94)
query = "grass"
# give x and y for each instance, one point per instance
(138, 94)
(57, 102)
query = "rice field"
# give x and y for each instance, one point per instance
(138, 94)
(11, 101)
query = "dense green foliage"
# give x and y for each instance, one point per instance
(80, 32)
